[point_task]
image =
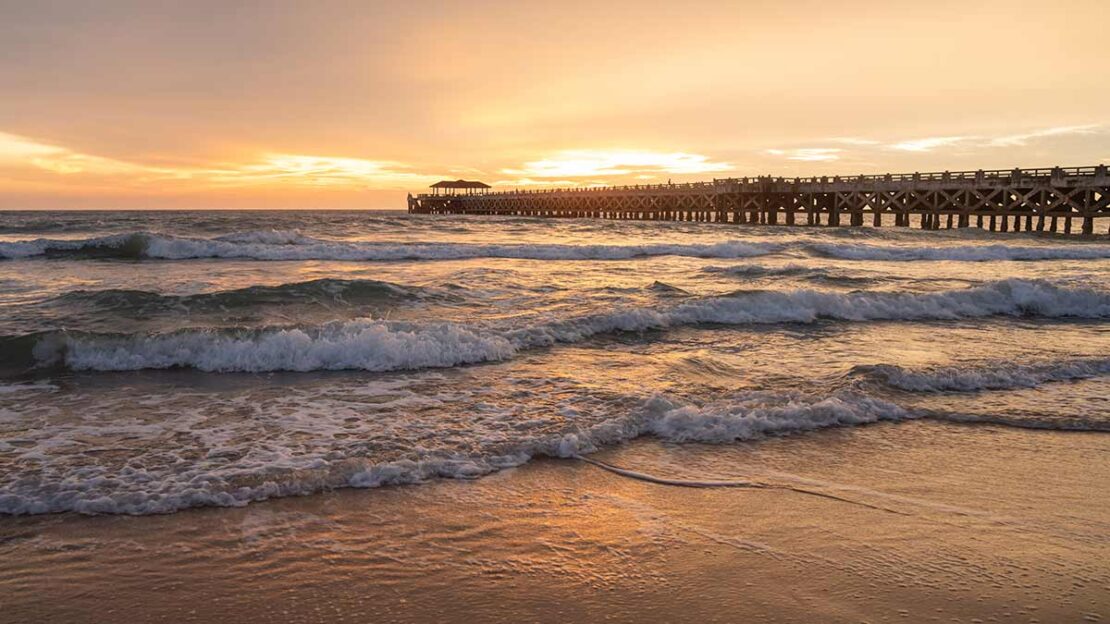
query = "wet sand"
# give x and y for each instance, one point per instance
(939, 522)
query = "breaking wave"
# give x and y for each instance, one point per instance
(271, 471)
(378, 345)
(351, 291)
(285, 245)
(292, 245)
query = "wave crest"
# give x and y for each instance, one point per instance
(383, 345)
(279, 245)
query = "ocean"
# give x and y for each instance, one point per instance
(152, 362)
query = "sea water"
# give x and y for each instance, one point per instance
(155, 361)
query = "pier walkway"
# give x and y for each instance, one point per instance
(1001, 200)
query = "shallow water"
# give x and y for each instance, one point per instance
(151, 362)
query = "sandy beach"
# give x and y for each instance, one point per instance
(947, 523)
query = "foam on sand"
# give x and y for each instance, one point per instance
(238, 468)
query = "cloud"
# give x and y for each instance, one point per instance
(928, 143)
(310, 170)
(808, 154)
(587, 163)
(533, 182)
(20, 151)
(270, 169)
(854, 141)
(1012, 140)
(1022, 139)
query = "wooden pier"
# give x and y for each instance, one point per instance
(1010, 200)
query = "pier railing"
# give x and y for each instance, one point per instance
(981, 175)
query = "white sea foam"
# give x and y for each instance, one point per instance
(381, 345)
(988, 376)
(309, 452)
(961, 253)
(331, 438)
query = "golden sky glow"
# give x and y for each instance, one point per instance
(212, 104)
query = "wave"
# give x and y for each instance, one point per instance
(990, 376)
(123, 246)
(236, 470)
(962, 253)
(809, 273)
(759, 270)
(292, 245)
(1020, 422)
(378, 345)
(348, 291)
(284, 245)
(270, 470)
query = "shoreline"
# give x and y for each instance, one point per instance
(991, 521)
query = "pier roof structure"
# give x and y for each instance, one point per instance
(450, 186)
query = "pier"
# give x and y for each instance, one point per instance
(1011, 200)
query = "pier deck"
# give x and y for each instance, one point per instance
(1001, 200)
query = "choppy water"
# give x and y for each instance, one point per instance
(151, 362)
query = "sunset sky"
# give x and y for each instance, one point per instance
(352, 104)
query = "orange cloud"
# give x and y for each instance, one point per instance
(590, 163)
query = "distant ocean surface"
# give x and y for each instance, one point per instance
(156, 361)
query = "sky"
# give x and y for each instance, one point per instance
(323, 104)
